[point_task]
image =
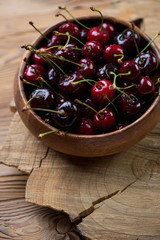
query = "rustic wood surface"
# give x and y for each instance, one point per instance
(132, 212)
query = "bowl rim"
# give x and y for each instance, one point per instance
(48, 30)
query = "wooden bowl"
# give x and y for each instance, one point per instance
(87, 145)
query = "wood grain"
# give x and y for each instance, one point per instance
(103, 196)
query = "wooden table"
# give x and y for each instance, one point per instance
(18, 219)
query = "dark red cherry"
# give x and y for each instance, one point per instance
(132, 69)
(42, 98)
(68, 87)
(146, 87)
(85, 126)
(105, 72)
(87, 68)
(86, 111)
(147, 62)
(126, 40)
(105, 120)
(54, 41)
(92, 50)
(53, 77)
(33, 72)
(102, 92)
(98, 35)
(68, 53)
(113, 54)
(71, 28)
(68, 116)
(109, 28)
(120, 125)
(129, 104)
(83, 33)
(39, 60)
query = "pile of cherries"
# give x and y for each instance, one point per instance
(90, 79)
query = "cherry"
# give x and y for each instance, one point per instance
(54, 41)
(126, 40)
(105, 71)
(85, 126)
(120, 125)
(69, 114)
(53, 77)
(102, 92)
(87, 112)
(39, 60)
(42, 98)
(109, 28)
(68, 87)
(71, 28)
(146, 87)
(104, 120)
(69, 53)
(132, 68)
(113, 54)
(83, 33)
(87, 68)
(33, 72)
(129, 104)
(98, 35)
(92, 50)
(147, 62)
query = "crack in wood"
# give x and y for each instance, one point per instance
(93, 207)
(41, 160)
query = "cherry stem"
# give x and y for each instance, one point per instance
(69, 36)
(96, 10)
(88, 106)
(46, 133)
(81, 24)
(60, 14)
(25, 107)
(134, 39)
(65, 34)
(32, 24)
(85, 80)
(150, 42)
(25, 81)
(157, 82)
(117, 75)
(45, 110)
(111, 102)
(119, 60)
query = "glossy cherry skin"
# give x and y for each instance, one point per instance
(92, 50)
(86, 111)
(69, 53)
(69, 114)
(146, 87)
(110, 53)
(98, 35)
(105, 120)
(71, 28)
(103, 92)
(87, 69)
(85, 126)
(37, 59)
(130, 106)
(42, 98)
(105, 72)
(54, 41)
(132, 68)
(83, 33)
(68, 88)
(33, 72)
(53, 77)
(125, 39)
(109, 28)
(147, 62)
